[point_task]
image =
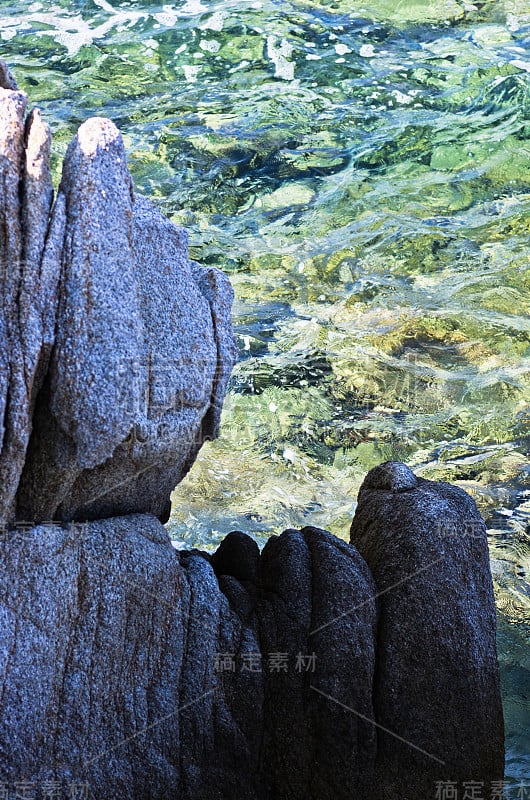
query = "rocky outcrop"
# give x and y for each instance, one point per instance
(128, 342)
(25, 202)
(436, 689)
(144, 672)
(124, 666)
(314, 670)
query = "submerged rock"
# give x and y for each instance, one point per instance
(436, 692)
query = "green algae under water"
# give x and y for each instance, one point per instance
(362, 173)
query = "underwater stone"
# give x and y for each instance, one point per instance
(436, 691)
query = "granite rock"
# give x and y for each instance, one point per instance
(436, 691)
(26, 300)
(115, 348)
(317, 600)
(124, 665)
(7, 80)
(147, 672)
(12, 111)
(143, 350)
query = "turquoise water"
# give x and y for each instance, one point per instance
(363, 176)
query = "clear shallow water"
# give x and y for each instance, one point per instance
(363, 176)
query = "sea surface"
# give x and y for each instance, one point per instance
(361, 171)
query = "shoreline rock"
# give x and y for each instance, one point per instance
(314, 670)
(119, 348)
(436, 689)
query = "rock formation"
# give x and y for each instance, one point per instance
(315, 670)
(25, 202)
(144, 672)
(437, 680)
(125, 666)
(128, 342)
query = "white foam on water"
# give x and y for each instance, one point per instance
(191, 7)
(279, 55)
(524, 65)
(215, 22)
(190, 72)
(367, 51)
(105, 6)
(71, 31)
(210, 45)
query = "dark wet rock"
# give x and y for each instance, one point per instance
(318, 599)
(436, 692)
(237, 556)
(116, 662)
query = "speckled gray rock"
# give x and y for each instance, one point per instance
(12, 110)
(125, 666)
(128, 342)
(37, 301)
(26, 302)
(143, 353)
(436, 692)
(7, 80)
(318, 597)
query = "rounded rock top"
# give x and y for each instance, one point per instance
(97, 132)
(392, 476)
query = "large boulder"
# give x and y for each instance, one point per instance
(115, 348)
(125, 667)
(149, 673)
(436, 691)
(142, 355)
